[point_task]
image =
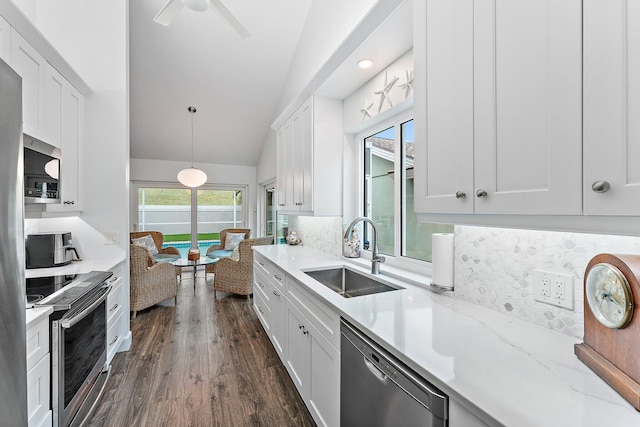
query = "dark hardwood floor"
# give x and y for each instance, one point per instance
(202, 362)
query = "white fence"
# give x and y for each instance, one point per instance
(177, 219)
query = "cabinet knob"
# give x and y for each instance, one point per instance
(600, 186)
(481, 193)
(460, 195)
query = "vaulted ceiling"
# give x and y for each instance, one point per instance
(199, 60)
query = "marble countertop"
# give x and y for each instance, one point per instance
(507, 371)
(77, 267)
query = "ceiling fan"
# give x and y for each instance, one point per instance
(173, 7)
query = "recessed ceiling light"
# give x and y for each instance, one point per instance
(365, 63)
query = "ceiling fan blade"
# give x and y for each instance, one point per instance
(226, 14)
(168, 12)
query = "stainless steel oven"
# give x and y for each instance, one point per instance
(78, 346)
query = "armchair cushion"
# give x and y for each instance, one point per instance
(232, 240)
(147, 243)
(220, 253)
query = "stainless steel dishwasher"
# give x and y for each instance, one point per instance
(376, 389)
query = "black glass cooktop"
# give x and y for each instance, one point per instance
(41, 287)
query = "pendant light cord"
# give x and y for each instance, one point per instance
(192, 110)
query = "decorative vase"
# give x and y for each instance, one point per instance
(193, 254)
(293, 238)
(351, 246)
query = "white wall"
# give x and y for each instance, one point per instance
(328, 24)
(268, 162)
(167, 171)
(92, 35)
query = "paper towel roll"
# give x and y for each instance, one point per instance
(442, 251)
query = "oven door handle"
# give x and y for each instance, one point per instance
(71, 321)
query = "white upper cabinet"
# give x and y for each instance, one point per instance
(444, 142)
(309, 147)
(5, 41)
(32, 67)
(611, 107)
(503, 107)
(52, 113)
(71, 174)
(528, 106)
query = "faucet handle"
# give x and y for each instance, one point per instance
(379, 259)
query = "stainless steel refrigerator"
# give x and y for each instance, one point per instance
(13, 359)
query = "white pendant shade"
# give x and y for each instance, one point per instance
(192, 177)
(52, 168)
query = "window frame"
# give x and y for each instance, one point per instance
(396, 260)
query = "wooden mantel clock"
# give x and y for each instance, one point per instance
(611, 346)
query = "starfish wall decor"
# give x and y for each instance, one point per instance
(365, 110)
(408, 85)
(384, 92)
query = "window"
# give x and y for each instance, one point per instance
(388, 193)
(189, 217)
(275, 224)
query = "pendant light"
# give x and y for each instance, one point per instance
(192, 177)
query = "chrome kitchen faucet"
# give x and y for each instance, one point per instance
(376, 258)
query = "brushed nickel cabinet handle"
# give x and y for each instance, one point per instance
(600, 187)
(460, 195)
(481, 193)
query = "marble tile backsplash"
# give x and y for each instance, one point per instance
(494, 268)
(321, 233)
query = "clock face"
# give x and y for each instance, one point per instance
(609, 295)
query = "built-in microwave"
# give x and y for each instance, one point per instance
(41, 171)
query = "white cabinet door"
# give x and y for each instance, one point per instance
(528, 106)
(52, 113)
(304, 193)
(71, 175)
(285, 166)
(444, 141)
(278, 321)
(298, 350)
(31, 66)
(324, 388)
(5, 41)
(38, 391)
(611, 107)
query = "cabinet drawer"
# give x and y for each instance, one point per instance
(262, 310)
(261, 283)
(114, 336)
(114, 301)
(37, 342)
(325, 319)
(262, 264)
(278, 278)
(38, 391)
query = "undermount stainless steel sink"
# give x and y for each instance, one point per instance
(348, 283)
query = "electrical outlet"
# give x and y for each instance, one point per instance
(553, 288)
(545, 290)
(111, 237)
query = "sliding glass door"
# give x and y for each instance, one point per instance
(187, 217)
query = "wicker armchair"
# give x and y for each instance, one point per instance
(211, 268)
(149, 285)
(236, 276)
(158, 239)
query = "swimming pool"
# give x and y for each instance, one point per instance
(183, 247)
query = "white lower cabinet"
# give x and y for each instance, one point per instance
(115, 314)
(314, 365)
(38, 374)
(302, 330)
